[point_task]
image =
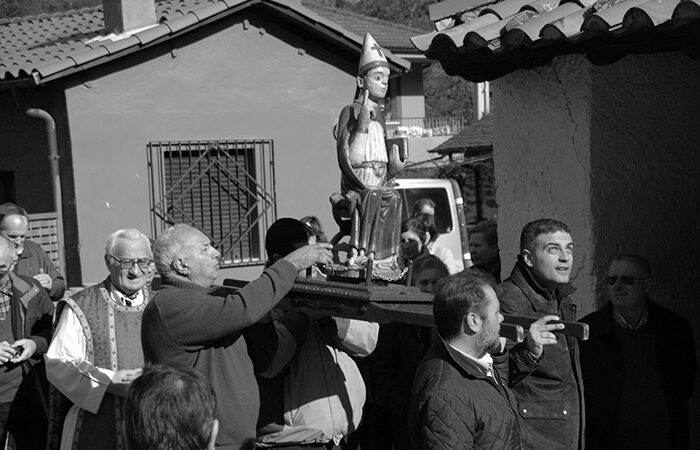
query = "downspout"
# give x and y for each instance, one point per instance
(55, 177)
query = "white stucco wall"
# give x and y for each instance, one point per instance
(541, 159)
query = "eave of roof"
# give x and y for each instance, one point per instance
(477, 137)
(36, 50)
(498, 38)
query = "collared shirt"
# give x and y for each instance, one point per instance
(123, 300)
(485, 363)
(5, 298)
(621, 321)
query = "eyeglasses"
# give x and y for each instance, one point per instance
(127, 264)
(624, 279)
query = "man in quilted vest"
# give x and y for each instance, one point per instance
(461, 398)
(96, 348)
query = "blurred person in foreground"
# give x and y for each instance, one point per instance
(170, 408)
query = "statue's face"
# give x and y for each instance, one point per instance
(376, 81)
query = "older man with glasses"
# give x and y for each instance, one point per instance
(96, 349)
(638, 366)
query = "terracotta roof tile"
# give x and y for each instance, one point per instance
(393, 36)
(499, 38)
(50, 45)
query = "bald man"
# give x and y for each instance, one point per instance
(638, 366)
(33, 261)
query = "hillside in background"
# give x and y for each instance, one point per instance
(444, 95)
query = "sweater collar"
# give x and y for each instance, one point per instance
(182, 284)
(465, 365)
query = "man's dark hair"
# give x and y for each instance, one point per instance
(537, 228)
(458, 295)
(488, 229)
(420, 203)
(429, 223)
(429, 262)
(416, 225)
(10, 209)
(286, 235)
(315, 227)
(169, 408)
(638, 261)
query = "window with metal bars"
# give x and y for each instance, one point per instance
(224, 188)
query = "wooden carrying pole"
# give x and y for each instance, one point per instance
(576, 329)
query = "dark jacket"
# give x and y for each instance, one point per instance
(217, 335)
(551, 398)
(456, 406)
(400, 348)
(33, 261)
(32, 313)
(604, 376)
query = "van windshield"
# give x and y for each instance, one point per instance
(443, 218)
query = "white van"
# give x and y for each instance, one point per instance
(449, 212)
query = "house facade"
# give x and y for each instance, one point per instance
(219, 114)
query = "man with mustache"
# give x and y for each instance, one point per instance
(551, 398)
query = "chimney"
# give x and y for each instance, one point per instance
(126, 15)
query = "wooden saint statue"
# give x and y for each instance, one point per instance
(367, 166)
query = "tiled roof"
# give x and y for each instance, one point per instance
(476, 137)
(41, 48)
(494, 38)
(393, 36)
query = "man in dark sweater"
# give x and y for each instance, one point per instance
(189, 323)
(638, 366)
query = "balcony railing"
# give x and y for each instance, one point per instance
(425, 126)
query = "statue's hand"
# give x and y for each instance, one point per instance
(366, 112)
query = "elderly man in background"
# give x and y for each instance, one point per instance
(551, 398)
(33, 261)
(96, 348)
(25, 329)
(638, 366)
(188, 323)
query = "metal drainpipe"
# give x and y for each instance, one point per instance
(55, 176)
